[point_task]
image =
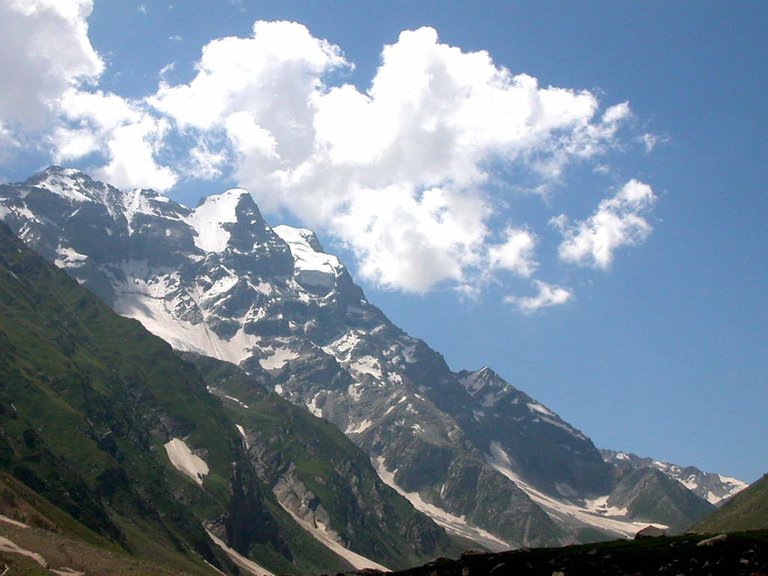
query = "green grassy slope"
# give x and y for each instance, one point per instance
(88, 399)
(747, 510)
(35, 524)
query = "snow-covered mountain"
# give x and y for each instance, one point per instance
(713, 487)
(482, 458)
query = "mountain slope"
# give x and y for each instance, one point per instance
(105, 418)
(747, 510)
(89, 405)
(319, 475)
(651, 496)
(40, 538)
(737, 554)
(482, 458)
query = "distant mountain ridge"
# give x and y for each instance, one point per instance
(480, 457)
(713, 487)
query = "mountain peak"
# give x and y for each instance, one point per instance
(69, 183)
(312, 267)
(214, 215)
(484, 379)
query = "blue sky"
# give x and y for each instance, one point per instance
(575, 197)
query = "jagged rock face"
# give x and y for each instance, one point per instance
(548, 452)
(217, 280)
(319, 476)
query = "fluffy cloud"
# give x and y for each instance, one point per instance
(547, 295)
(515, 254)
(270, 75)
(396, 172)
(617, 222)
(132, 148)
(53, 66)
(412, 242)
(116, 129)
(403, 173)
(46, 50)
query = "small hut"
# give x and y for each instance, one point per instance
(650, 531)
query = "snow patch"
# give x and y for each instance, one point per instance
(242, 434)
(277, 358)
(185, 461)
(311, 267)
(237, 401)
(355, 391)
(67, 257)
(221, 286)
(64, 571)
(536, 407)
(551, 418)
(313, 407)
(320, 534)
(10, 547)
(367, 365)
(409, 353)
(600, 506)
(12, 522)
(489, 400)
(341, 348)
(208, 218)
(359, 428)
(140, 201)
(64, 185)
(245, 563)
(153, 303)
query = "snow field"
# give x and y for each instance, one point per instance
(185, 461)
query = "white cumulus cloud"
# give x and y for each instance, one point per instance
(45, 51)
(116, 129)
(547, 295)
(395, 172)
(407, 172)
(618, 221)
(515, 253)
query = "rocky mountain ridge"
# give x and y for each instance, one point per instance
(480, 457)
(714, 488)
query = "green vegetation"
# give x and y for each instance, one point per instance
(330, 472)
(87, 402)
(747, 510)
